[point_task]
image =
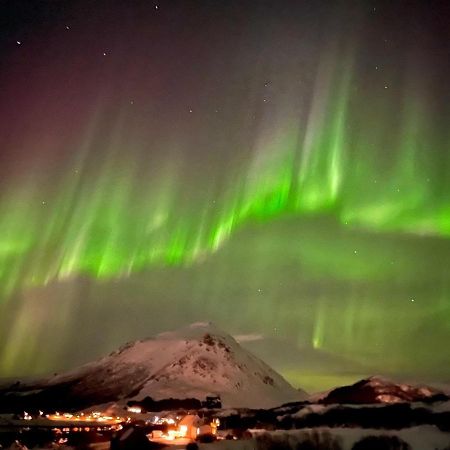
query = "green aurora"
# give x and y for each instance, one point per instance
(302, 194)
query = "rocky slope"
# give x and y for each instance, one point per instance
(194, 362)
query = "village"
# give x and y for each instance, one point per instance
(133, 426)
(126, 430)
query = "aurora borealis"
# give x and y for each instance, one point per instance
(280, 168)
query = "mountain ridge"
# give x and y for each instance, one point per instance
(193, 362)
(378, 389)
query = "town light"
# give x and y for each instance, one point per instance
(135, 409)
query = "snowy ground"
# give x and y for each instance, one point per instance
(419, 438)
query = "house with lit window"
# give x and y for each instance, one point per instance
(192, 426)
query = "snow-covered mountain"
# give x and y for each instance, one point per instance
(380, 390)
(194, 362)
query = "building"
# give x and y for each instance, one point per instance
(189, 426)
(192, 426)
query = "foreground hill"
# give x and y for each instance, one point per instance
(381, 390)
(194, 362)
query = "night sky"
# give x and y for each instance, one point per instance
(281, 168)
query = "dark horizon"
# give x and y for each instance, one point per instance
(277, 168)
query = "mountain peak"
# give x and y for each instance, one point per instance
(378, 389)
(192, 362)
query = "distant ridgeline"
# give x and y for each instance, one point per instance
(150, 405)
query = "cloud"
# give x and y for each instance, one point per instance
(248, 337)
